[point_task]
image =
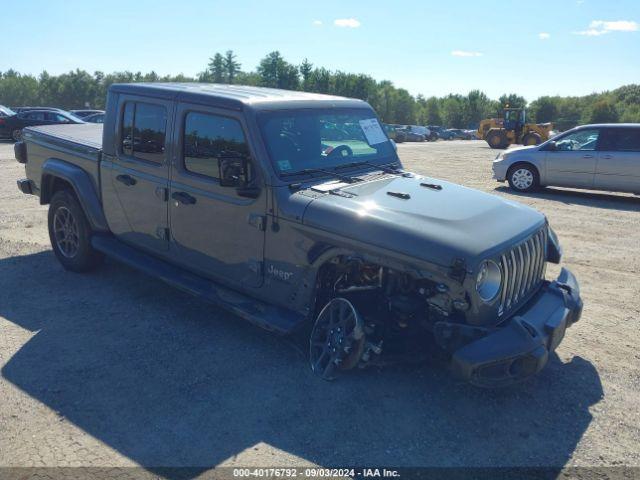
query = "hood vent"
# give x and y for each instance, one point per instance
(404, 196)
(432, 186)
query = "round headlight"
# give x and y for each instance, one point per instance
(488, 280)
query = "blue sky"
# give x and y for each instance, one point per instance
(566, 47)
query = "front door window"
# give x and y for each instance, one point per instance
(585, 140)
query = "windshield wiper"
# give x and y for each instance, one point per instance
(311, 171)
(384, 168)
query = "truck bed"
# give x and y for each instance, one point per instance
(84, 134)
(79, 145)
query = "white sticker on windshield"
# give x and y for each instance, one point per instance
(373, 131)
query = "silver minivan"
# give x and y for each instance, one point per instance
(599, 157)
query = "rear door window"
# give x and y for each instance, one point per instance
(623, 140)
(143, 131)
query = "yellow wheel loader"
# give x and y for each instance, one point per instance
(512, 128)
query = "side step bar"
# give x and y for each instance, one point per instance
(255, 311)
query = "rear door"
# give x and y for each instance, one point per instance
(573, 163)
(215, 231)
(618, 166)
(136, 190)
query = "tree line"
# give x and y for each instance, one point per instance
(78, 89)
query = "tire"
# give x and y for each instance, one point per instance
(531, 139)
(497, 139)
(523, 177)
(433, 137)
(16, 135)
(70, 234)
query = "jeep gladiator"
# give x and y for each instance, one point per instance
(293, 211)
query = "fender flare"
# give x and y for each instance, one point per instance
(82, 185)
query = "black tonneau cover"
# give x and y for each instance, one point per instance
(84, 134)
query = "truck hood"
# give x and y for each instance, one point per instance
(424, 218)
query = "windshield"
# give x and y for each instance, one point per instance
(299, 140)
(6, 111)
(73, 117)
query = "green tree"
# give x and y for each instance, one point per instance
(602, 111)
(512, 100)
(275, 71)
(216, 69)
(306, 69)
(544, 109)
(231, 66)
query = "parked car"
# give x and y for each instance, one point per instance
(395, 133)
(441, 132)
(235, 196)
(600, 157)
(94, 118)
(6, 111)
(4, 129)
(85, 113)
(424, 131)
(15, 123)
(27, 109)
(460, 134)
(411, 135)
(472, 134)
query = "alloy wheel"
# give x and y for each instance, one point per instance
(66, 233)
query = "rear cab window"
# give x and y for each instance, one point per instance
(143, 131)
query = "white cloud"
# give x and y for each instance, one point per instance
(602, 27)
(617, 26)
(544, 36)
(346, 22)
(463, 53)
(317, 23)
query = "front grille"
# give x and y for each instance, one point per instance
(523, 269)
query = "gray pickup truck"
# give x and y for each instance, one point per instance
(292, 210)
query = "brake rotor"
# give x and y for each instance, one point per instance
(337, 339)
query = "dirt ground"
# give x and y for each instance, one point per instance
(115, 369)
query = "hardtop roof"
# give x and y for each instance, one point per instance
(236, 96)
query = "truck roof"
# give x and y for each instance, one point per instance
(238, 97)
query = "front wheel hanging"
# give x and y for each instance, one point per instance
(337, 339)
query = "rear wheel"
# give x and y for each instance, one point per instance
(16, 134)
(523, 178)
(497, 139)
(532, 139)
(70, 233)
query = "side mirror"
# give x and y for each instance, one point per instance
(551, 146)
(232, 171)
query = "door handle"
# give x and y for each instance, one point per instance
(128, 180)
(608, 157)
(183, 197)
(587, 156)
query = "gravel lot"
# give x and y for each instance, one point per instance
(117, 369)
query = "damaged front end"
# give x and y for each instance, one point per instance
(519, 347)
(496, 325)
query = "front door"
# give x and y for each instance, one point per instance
(618, 166)
(573, 163)
(135, 181)
(215, 230)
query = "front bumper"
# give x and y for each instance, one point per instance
(499, 168)
(521, 347)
